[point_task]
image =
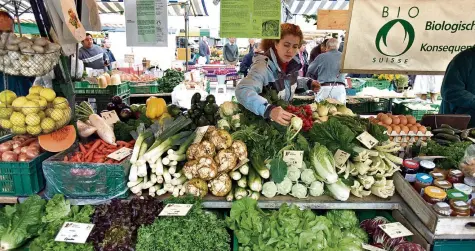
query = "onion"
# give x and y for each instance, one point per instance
(9, 156)
(24, 149)
(23, 157)
(6, 146)
(17, 150)
(32, 152)
(35, 143)
(16, 143)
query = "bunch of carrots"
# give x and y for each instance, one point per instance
(97, 152)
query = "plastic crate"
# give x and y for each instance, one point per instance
(22, 178)
(99, 102)
(143, 88)
(104, 181)
(359, 108)
(379, 84)
(381, 106)
(454, 245)
(351, 92)
(84, 87)
(418, 114)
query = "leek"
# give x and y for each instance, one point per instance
(242, 182)
(244, 169)
(138, 145)
(254, 181)
(259, 166)
(152, 155)
(240, 193)
(173, 128)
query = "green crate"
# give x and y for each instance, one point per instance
(379, 84)
(380, 106)
(105, 181)
(21, 178)
(418, 114)
(86, 88)
(454, 245)
(99, 102)
(141, 88)
(359, 108)
(357, 84)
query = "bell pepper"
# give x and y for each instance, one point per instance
(155, 107)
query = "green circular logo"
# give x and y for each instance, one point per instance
(409, 36)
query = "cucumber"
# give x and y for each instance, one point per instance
(446, 126)
(444, 136)
(442, 142)
(443, 130)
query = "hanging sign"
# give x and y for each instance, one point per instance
(250, 18)
(407, 36)
(146, 23)
(332, 19)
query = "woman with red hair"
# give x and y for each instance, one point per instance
(276, 68)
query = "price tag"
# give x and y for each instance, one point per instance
(395, 230)
(371, 248)
(74, 232)
(110, 117)
(442, 205)
(341, 157)
(367, 140)
(176, 210)
(120, 154)
(129, 58)
(200, 133)
(293, 158)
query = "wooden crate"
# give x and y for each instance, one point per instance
(442, 227)
(417, 237)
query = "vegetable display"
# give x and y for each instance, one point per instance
(20, 148)
(89, 120)
(402, 129)
(96, 152)
(122, 109)
(171, 78)
(203, 113)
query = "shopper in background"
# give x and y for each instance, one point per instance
(231, 52)
(194, 57)
(317, 50)
(458, 87)
(425, 84)
(326, 70)
(276, 69)
(204, 49)
(252, 45)
(342, 44)
(106, 44)
(18, 84)
(92, 55)
(303, 56)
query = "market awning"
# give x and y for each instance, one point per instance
(310, 7)
(198, 7)
(23, 6)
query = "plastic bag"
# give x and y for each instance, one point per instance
(467, 165)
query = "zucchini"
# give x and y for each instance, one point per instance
(446, 126)
(444, 136)
(443, 130)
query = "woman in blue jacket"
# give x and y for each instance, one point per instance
(277, 68)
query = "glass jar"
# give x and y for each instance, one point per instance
(459, 208)
(426, 166)
(409, 170)
(455, 176)
(472, 207)
(443, 184)
(437, 175)
(423, 180)
(454, 194)
(464, 189)
(470, 181)
(434, 194)
(442, 208)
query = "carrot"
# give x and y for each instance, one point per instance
(82, 148)
(102, 160)
(93, 148)
(89, 159)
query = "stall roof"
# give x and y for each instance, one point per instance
(310, 7)
(198, 7)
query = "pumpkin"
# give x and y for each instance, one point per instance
(59, 140)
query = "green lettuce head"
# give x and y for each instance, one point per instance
(343, 218)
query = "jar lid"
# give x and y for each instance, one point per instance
(459, 205)
(456, 195)
(470, 181)
(435, 192)
(437, 175)
(411, 164)
(463, 188)
(456, 172)
(443, 184)
(424, 178)
(427, 164)
(442, 208)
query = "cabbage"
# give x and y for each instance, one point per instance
(370, 225)
(324, 164)
(316, 188)
(308, 176)
(293, 173)
(284, 187)
(269, 189)
(339, 191)
(299, 191)
(356, 232)
(228, 109)
(343, 218)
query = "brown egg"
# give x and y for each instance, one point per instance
(379, 115)
(403, 120)
(405, 129)
(396, 120)
(397, 129)
(409, 125)
(389, 129)
(413, 129)
(418, 125)
(422, 129)
(387, 120)
(381, 123)
(411, 119)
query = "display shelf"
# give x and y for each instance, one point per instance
(150, 95)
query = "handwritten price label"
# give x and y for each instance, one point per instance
(120, 154)
(395, 230)
(74, 232)
(200, 133)
(176, 210)
(110, 117)
(293, 158)
(367, 140)
(341, 157)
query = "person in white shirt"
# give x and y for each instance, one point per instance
(428, 84)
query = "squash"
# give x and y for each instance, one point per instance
(115, 79)
(155, 107)
(102, 81)
(59, 140)
(108, 78)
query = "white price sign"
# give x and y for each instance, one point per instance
(367, 140)
(176, 210)
(341, 157)
(74, 232)
(110, 117)
(200, 133)
(395, 230)
(120, 154)
(293, 158)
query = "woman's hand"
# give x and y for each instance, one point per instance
(280, 116)
(315, 86)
